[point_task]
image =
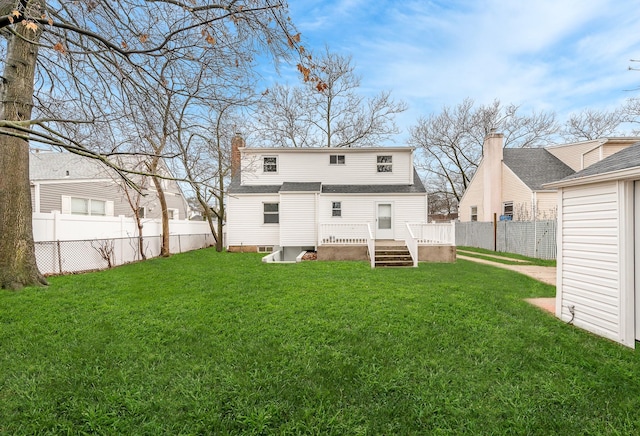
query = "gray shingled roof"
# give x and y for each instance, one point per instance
(416, 188)
(54, 166)
(301, 187)
(535, 166)
(622, 160)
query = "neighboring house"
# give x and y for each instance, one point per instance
(322, 198)
(510, 183)
(73, 184)
(598, 284)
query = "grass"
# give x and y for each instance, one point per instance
(479, 252)
(219, 343)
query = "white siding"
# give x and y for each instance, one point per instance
(546, 205)
(515, 190)
(245, 224)
(589, 279)
(362, 209)
(312, 165)
(298, 219)
(473, 196)
(571, 154)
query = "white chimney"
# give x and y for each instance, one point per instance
(492, 175)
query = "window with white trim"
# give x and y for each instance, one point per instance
(336, 208)
(337, 159)
(142, 212)
(474, 213)
(385, 163)
(87, 206)
(270, 164)
(271, 213)
(173, 214)
(507, 209)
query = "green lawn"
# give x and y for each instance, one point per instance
(218, 343)
(480, 252)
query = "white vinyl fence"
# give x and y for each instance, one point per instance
(528, 238)
(74, 243)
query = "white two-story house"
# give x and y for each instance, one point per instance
(335, 201)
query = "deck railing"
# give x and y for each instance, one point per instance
(412, 245)
(348, 234)
(344, 234)
(433, 234)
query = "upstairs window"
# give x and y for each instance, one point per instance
(336, 159)
(336, 208)
(270, 164)
(385, 164)
(271, 213)
(474, 213)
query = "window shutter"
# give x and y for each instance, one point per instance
(66, 204)
(108, 208)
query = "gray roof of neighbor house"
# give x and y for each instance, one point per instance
(54, 166)
(416, 188)
(535, 166)
(50, 165)
(622, 160)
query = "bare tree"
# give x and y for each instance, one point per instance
(451, 141)
(86, 50)
(327, 110)
(591, 124)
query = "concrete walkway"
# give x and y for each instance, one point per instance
(544, 274)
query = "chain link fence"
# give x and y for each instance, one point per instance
(528, 238)
(63, 257)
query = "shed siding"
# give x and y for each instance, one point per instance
(246, 221)
(298, 219)
(359, 168)
(590, 268)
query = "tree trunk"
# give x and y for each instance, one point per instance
(17, 252)
(164, 248)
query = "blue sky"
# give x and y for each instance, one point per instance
(560, 55)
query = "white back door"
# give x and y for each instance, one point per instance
(384, 220)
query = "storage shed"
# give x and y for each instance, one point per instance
(598, 284)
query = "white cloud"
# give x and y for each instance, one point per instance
(560, 55)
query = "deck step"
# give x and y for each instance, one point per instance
(390, 257)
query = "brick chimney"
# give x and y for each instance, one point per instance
(237, 142)
(492, 175)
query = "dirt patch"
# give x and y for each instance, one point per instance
(310, 255)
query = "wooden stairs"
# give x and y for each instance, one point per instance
(393, 257)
